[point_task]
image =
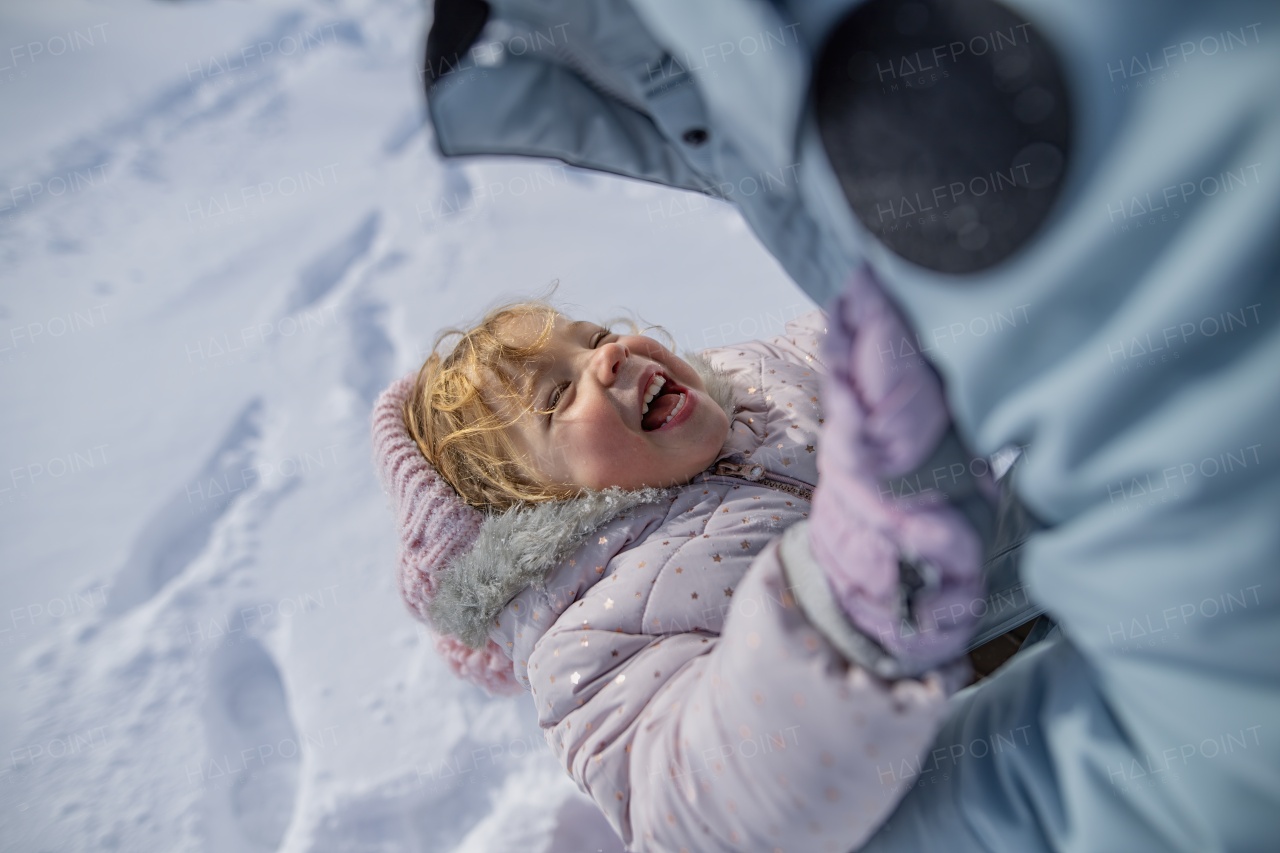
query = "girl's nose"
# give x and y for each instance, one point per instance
(608, 360)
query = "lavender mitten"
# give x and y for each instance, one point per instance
(905, 572)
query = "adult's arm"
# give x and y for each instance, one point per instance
(1132, 348)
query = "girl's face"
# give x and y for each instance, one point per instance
(624, 411)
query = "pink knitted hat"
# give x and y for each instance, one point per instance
(436, 527)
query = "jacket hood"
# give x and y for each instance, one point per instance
(521, 546)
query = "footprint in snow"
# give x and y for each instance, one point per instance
(254, 751)
(181, 529)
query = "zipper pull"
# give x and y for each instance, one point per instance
(752, 471)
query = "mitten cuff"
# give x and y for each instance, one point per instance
(808, 583)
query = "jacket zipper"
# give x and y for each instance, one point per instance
(754, 472)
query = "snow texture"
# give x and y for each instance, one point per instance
(223, 229)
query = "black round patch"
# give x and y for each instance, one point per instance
(949, 125)
(695, 136)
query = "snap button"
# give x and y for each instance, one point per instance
(695, 136)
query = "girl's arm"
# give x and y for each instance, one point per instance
(763, 736)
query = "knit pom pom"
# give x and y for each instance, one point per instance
(488, 667)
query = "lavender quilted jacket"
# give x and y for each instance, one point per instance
(673, 672)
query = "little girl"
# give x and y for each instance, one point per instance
(592, 519)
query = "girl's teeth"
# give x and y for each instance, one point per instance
(654, 387)
(675, 411)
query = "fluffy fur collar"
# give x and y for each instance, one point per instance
(519, 548)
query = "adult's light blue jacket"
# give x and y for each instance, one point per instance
(1131, 347)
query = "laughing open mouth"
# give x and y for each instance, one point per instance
(663, 400)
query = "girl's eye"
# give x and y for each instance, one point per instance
(554, 401)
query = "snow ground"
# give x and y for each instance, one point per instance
(223, 230)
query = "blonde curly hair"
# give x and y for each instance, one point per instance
(454, 424)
